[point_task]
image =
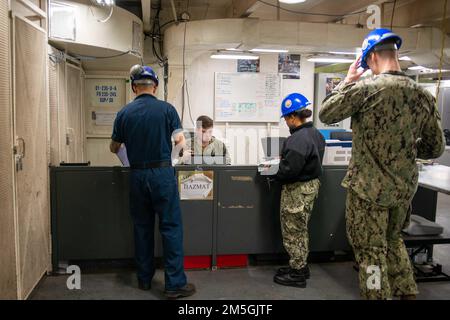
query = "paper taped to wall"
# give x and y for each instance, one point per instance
(247, 97)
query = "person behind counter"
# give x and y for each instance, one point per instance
(204, 144)
(299, 171)
(146, 127)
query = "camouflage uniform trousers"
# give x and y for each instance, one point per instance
(297, 201)
(374, 232)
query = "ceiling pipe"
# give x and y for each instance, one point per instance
(174, 11)
(146, 14)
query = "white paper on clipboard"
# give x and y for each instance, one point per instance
(122, 155)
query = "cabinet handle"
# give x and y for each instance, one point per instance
(22, 146)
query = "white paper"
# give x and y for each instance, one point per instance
(197, 186)
(122, 155)
(269, 168)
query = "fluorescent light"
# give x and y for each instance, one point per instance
(405, 58)
(344, 53)
(107, 3)
(233, 56)
(426, 70)
(330, 60)
(232, 49)
(415, 68)
(269, 50)
(292, 1)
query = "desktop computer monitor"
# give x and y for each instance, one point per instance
(272, 146)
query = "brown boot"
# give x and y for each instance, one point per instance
(183, 292)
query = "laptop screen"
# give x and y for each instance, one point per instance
(272, 146)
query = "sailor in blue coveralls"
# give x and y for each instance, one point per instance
(146, 127)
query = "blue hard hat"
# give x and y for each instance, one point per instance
(292, 103)
(139, 74)
(374, 38)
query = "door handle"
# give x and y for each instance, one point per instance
(70, 134)
(19, 152)
(19, 163)
(21, 147)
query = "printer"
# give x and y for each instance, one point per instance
(420, 226)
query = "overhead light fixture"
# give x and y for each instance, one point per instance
(417, 68)
(426, 70)
(229, 56)
(330, 60)
(269, 50)
(105, 3)
(405, 58)
(232, 49)
(344, 53)
(292, 1)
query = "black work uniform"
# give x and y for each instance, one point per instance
(299, 172)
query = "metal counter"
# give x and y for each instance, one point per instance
(91, 220)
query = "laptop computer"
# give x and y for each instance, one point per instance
(272, 146)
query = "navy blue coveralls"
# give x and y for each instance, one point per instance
(145, 126)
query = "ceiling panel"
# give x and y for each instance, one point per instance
(334, 8)
(198, 3)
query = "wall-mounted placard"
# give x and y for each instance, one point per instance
(106, 92)
(289, 65)
(248, 65)
(196, 185)
(104, 118)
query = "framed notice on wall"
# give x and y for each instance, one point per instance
(104, 98)
(104, 118)
(196, 185)
(332, 83)
(289, 65)
(323, 86)
(106, 92)
(247, 65)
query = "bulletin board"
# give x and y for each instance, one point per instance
(247, 97)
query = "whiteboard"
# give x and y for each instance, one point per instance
(247, 97)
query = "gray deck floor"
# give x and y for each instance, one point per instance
(335, 280)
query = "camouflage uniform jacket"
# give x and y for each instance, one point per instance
(394, 120)
(215, 148)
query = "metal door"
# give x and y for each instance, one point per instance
(8, 281)
(30, 108)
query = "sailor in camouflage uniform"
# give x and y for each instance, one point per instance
(210, 149)
(299, 171)
(394, 121)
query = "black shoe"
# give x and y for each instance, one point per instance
(144, 285)
(183, 292)
(286, 270)
(294, 278)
